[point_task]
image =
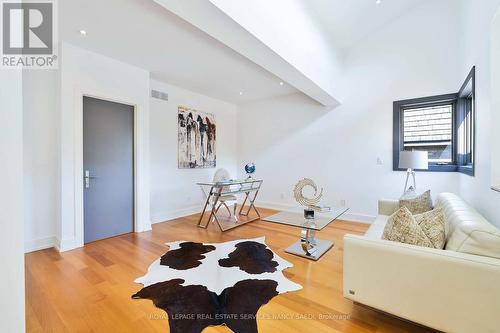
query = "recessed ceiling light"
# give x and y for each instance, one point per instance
(241, 93)
(378, 2)
(281, 83)
(83, 32)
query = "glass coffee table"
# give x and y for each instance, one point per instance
(308, 246)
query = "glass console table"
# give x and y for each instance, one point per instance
(219, 190)
(308, 246)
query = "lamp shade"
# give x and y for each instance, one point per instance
(414, 160)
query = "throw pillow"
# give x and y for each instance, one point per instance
(402, 227)
(433, 226)
(418, 205)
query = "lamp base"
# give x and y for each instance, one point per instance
(408, 173)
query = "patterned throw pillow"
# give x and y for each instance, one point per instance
(402, 227)
(420, 204)
(433, 225)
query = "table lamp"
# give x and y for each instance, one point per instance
(412, 160)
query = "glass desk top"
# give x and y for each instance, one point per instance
(233, 186)
(295, 218)
(231, 182)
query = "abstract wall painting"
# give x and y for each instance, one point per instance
(196, 139)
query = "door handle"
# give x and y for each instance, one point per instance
(87, 177)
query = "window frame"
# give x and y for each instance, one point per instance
(463, 165)
(398, 139)
(459, 113)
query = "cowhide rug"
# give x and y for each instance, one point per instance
(201, 285)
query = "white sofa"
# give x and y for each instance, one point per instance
(453, 290)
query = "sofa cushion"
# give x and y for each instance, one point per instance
(419, 204)
(402, 227)
(468, 231)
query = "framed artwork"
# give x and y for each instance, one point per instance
(196, 139)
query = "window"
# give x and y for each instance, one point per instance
(441, 125)
(429, 128)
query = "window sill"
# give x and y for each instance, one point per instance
(468, 170)
(433, 168)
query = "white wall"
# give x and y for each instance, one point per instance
(173, 191)
(495, 100)
(476, 26)
(11, 202)
(206, 16)
(51, 140)
(288, 137)
(286, 27)
(84, 72)
(296, 138)
(41, 118)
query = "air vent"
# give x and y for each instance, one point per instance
(159, 95)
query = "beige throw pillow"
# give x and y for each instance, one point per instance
(422, 230)
(420, 204)
(433, 226)
(402, 227)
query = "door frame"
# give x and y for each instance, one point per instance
(79, 170)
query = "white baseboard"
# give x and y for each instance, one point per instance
(167, 216)
(39, 244)
(66, 244)
(349, 216)
(274, 205)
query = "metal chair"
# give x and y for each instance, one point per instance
(222, 175)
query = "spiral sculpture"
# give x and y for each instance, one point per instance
(299, 196)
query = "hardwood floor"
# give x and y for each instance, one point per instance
(89, 289)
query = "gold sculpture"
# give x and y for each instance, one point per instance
(301, 199)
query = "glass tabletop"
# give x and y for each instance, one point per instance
(231, 182)
(295, 218)
(233, 186)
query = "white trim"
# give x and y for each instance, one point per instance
(167, 216)
(78, 163)
(65, 245)
(274, 205)
(351, 217)
(39, 244)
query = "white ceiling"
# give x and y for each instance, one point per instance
(146, 35)
(349, 21)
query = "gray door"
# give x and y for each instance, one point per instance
(108, 164)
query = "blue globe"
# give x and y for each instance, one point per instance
(250, 168)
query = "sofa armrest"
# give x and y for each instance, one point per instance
(444, 290)
(387, 207)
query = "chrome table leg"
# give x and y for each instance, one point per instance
(309, 246)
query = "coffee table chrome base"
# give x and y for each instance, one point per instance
(314, 253)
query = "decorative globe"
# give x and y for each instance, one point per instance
(249, 169)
